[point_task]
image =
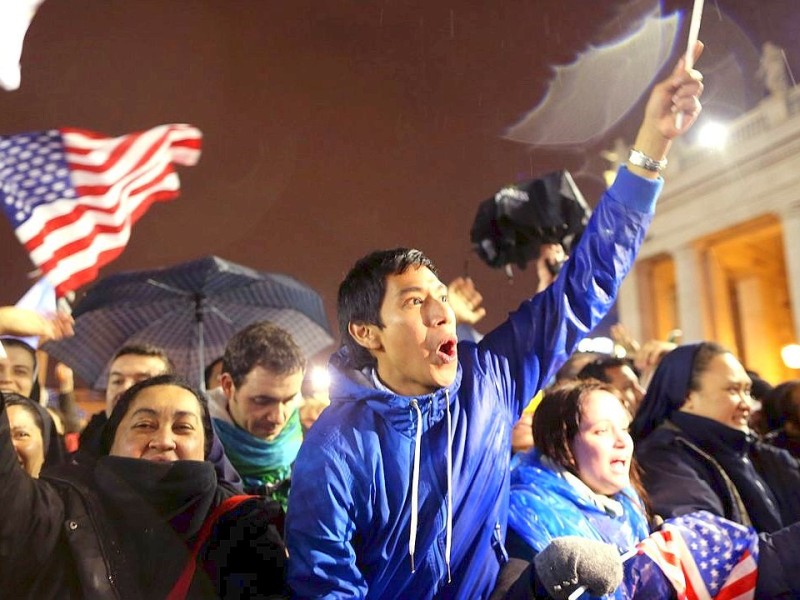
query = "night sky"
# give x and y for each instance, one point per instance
(333, 128)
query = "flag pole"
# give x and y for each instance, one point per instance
(694, 32)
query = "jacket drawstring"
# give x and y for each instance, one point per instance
(412, 541)
(449, 536)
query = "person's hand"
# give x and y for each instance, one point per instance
(465, 300)
(678, 93)
(66, 381)
(551, 258)
(647, 358)
(624, 339)
(25, 322)
(651, 353)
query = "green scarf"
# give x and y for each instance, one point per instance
(259, 462)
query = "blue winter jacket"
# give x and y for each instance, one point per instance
(351, 524)
(544, 505)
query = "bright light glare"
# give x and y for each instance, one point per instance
(791, 356)
(713, 135)
(320, 379)
(601, 345)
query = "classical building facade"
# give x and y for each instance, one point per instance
(722, 258)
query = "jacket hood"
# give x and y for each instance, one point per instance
(353, 385)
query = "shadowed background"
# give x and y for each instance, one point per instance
(332, 128)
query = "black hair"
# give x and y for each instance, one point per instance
(781, 406)
(129, 395)
(362, 291)
(209, 370)
(53, 444)
(14, 399)
(146, 350)
(598, 367)
(262, 344)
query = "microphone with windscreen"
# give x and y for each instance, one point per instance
(571, 562)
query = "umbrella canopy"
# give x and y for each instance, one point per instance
(190, 310)
(573, 113)
(510, 227)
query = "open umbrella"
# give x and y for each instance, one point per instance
(190, 310)
(510, 227)
(573, 113)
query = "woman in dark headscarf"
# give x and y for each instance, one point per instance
(697, 451)
(148, 520)
(33, 434)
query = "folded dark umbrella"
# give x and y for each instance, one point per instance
(190, 310)
(511, 226)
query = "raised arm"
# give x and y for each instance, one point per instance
(546, 329)
(26, 322)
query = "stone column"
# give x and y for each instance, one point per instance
(690, 294)
(790, 221)
(628, 307)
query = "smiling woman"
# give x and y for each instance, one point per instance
(150, 511)
(698, 453)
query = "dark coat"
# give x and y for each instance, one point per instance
(81, 532)
(692, 463)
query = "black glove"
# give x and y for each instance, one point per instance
(570, 562)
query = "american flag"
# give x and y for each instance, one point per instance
(705, 556)
(72, 195)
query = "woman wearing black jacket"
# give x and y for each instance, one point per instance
(148, 520)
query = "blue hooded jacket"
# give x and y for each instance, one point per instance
(401, 497)
(544, 505)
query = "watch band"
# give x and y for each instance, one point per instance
(640, 159)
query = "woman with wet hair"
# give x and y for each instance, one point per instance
(147, 520)
(579, 479)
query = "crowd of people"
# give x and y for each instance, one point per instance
(449, 464)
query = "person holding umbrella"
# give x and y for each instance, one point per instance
(401, 487)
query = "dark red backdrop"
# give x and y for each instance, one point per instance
(331, 127)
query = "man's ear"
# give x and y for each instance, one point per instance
(365, 335)
(226, 383)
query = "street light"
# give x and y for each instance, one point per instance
(791, 355)
(713, 135)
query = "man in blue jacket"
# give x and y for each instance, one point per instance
(401, 488)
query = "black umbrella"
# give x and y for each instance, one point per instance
(190, 310)
(510, 227)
